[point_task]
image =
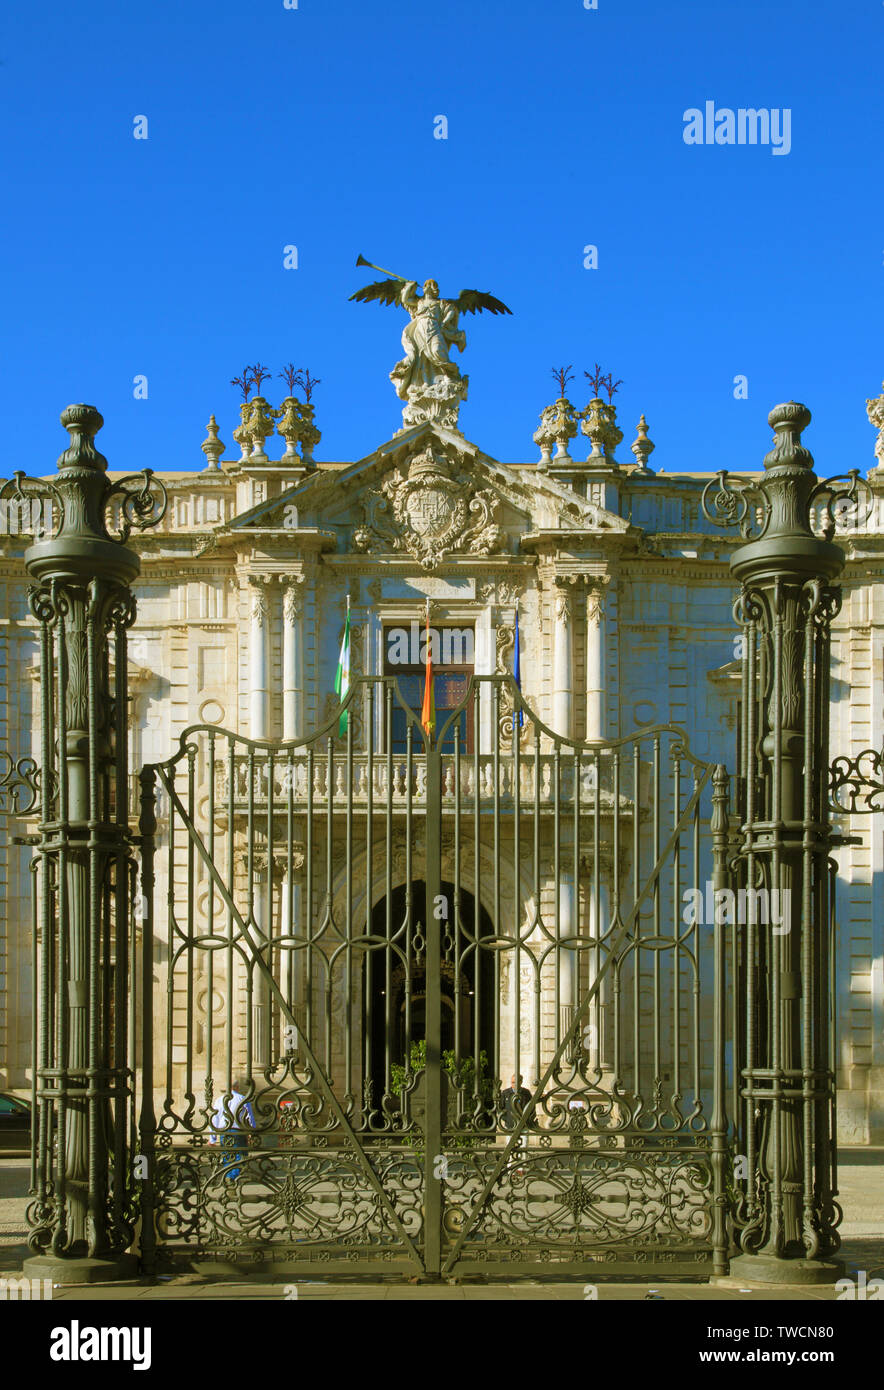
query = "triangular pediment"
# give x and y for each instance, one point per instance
(428, 492)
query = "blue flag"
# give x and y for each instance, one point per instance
(517, 677)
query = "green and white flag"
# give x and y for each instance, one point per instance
(342, 679)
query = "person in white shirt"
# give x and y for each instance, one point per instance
(232, 1116)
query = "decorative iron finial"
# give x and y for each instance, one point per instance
(788, 505)
(243, 382)
(562, 375)
(82, 423)
(212, 446)
(787, 422)
(643, 446)
(596, 379)
(93, 517)
(260, 375)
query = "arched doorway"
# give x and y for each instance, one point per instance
(395, 990)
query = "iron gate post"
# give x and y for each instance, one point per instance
(83, 1218)
(434, 1162)
(787, 1218)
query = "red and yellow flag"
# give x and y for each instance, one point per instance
(428, 709)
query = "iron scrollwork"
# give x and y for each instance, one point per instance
(141, 507)
(726, 503)
(26, 492)
(856, 785)
(854, 503)
(19, 784)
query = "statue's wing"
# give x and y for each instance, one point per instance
(385, 291)
(474, 301)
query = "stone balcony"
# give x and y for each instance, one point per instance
(307, 782)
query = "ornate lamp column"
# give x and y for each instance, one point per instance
(82, 1218)
(787, 1217)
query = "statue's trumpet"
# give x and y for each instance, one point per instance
(360, 260)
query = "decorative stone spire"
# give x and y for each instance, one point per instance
(643, 447)
(212, 446)
(875, 412)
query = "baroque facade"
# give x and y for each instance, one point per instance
(618, 585)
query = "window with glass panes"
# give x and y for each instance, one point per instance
(450, 681)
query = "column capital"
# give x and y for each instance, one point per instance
(595, 595)
(293, 596)
(259, 611)
(563, 595)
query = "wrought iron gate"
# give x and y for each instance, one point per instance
(352, 944)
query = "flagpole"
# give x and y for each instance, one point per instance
(342, 679)
(428, 709)
(517, 673)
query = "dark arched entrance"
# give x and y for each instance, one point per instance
(395, 994)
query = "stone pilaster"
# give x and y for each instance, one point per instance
(595, 662)
(259, 658)
(562, 664)
(293, 660)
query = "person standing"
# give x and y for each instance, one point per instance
(514, 1100)
(232, 1117)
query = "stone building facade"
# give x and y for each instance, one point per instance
(620, 587)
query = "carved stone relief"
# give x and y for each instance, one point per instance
(430, 511)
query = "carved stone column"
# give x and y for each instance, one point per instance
(562, 666)
(292, 661)
(259, 644)
(595, 663)
(485, 661)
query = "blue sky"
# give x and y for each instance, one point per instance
(314, 127)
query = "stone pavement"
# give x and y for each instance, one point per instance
(861, 1183)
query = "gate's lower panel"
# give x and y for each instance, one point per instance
(565, 1211)
(552, 1211)
(289, 1209)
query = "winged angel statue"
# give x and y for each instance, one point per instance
(426, 378)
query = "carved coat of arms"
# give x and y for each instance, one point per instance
(429, 513)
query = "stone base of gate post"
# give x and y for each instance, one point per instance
(773, 1270)
(66, 1270)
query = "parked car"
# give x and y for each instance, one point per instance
(15, 1122)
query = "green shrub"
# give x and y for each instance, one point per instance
(463, 1076)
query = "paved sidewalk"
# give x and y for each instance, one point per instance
(861, 1183)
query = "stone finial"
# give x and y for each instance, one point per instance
(643, 446)
(558, 425)
(600, 427)
(212, 446)
(875, 412)
(259, 427)
(241, 434)
(82, 423)
(310, 435)
(296, 426)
